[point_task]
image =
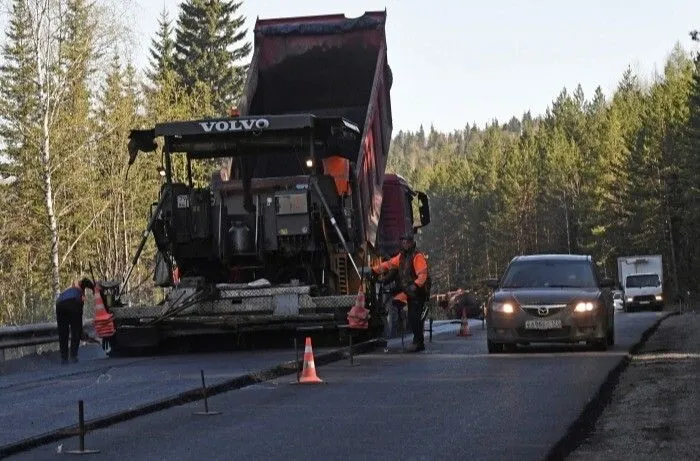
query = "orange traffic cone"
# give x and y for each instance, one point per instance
(464, 328)
(359, 314)
(308, 373)
(104, 323)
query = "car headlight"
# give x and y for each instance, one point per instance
(584, 307)
(506, 308)
(659, 297)
(629, 300)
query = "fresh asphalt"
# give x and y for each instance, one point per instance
(452, 401)
(38, 395)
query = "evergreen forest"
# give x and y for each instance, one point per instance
(606, 176)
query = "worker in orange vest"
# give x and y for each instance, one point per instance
(69, 318)
(413, 285)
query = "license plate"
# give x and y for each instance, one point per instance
(542, 324)
(643, 302)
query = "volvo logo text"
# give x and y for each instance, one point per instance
(235, 125)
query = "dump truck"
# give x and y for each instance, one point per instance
(283, 234)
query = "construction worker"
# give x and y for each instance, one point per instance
(413, 285)
(69, 317)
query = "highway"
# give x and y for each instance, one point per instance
(453, 401)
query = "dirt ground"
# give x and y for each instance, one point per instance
(654, 413)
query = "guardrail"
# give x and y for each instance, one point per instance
(24, 336)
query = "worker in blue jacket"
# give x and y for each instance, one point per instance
(69, 317)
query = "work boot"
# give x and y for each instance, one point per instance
(415, 348)
(64, 361)
(74, 359)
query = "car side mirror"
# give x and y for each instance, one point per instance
(423, 209)
(607, 283)
(492, 283)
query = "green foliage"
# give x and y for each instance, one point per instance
(21, 256)
(162, 50)
(606, 177)
(603, 176)
(210, 47)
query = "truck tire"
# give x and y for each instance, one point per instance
(494, 348)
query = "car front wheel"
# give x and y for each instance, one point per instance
(611, 336)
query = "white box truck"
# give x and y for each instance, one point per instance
(642, 282)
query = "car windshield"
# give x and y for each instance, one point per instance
(639, 281)
(549, 274)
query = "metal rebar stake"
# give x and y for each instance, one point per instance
(206, 411)
(402, 330)
(352, 357)
(81, 433)
(296, 352)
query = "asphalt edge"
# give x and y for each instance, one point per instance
(584, 425)
(193, 395)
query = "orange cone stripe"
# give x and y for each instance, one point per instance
(104, 326)
(308, 374)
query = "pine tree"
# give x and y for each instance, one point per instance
(690, 183)
(73, 135)
(162, 50)
(17, 92)
(22, 252)
(209, 49)
(18, 102)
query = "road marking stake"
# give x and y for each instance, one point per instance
(81, 434)
(352, 357)
(206, 411)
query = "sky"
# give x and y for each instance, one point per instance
(462, 62)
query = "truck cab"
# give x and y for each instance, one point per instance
(398, 215)
(641, 279)
(643, 290)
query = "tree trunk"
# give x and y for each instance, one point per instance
(125, 237)
(48, 197)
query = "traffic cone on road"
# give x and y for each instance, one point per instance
(464, 327)
(358, 317)
(104, 323)
(308, 373)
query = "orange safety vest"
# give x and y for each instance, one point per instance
(418, 267)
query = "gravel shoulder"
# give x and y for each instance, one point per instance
(654, 412)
